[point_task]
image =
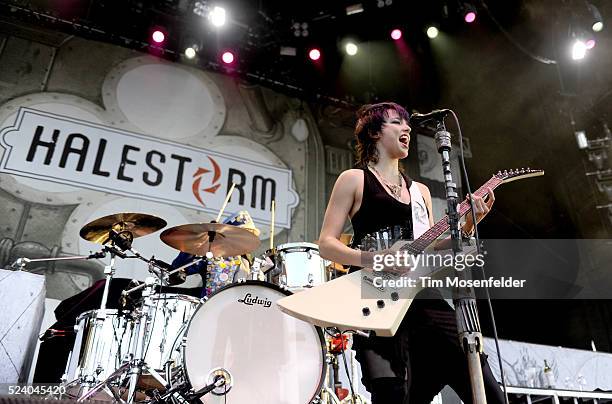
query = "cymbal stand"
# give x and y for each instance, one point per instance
(142, 323)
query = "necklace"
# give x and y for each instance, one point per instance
(396, 189)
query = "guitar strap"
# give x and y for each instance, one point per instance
(420, 217)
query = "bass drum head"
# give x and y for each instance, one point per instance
(271, 356)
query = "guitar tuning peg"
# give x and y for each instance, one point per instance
(528, 169)
(505, 172)
(498, 173)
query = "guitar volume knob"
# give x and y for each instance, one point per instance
(366, 311)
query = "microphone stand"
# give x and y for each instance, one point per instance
(466, 311)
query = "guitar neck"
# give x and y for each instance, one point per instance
(431, 235)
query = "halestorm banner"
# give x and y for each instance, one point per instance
(69, 151)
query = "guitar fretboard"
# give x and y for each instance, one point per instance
(431, 235)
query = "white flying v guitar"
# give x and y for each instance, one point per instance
(339, 303)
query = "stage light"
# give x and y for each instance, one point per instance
(351, 49)
(432, 32)
(596, 20)
(469, 13)
(190, 52)
(227, 57)
(314, 54)
(597, 26)
(158, 36)
(199, 8)
(288, 51)
(354, 9)
(300, 29)
(396, 34)
(579, 49)
(217, 16)
(581, 139)
(590, 44)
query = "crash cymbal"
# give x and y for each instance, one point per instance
(194, 239)
(138, 224)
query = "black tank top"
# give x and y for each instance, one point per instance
(384, 356)
(380, 210)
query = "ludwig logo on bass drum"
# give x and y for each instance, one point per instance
(249, 301)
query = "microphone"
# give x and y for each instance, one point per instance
(419, 119)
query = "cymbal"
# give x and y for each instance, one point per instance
(138, 224)
(194, 239)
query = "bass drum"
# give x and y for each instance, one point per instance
(270, 356)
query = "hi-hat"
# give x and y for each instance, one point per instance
(195, 238)
(138, 224)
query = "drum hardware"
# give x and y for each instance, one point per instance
(338, 344)
(133, 368)
(260, 267)
(220, 383)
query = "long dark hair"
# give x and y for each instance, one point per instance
(370, 119)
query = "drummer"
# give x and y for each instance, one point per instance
(220, 271)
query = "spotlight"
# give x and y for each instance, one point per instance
(158, 36)
(579, 49)
(597, 26)
(351, 49)
(469, 13)
(227, 57)
(590, 44)
(217, 16)
(190, 52)
(314, 54)
(396, 34)
(596, 20)
(432, 32)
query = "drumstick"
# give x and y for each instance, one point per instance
(227, 198)
(272, 226)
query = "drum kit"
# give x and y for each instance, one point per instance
(232, 346)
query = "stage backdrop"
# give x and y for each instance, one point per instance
(134, 133)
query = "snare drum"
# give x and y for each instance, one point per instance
(101, 346)
(298, 265)
(270, 356)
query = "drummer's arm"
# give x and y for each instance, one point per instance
(338, 209)
(183, 259)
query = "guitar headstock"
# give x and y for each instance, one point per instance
(517, 174)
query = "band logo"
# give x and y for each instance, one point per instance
(196, 187)
(65, 150)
